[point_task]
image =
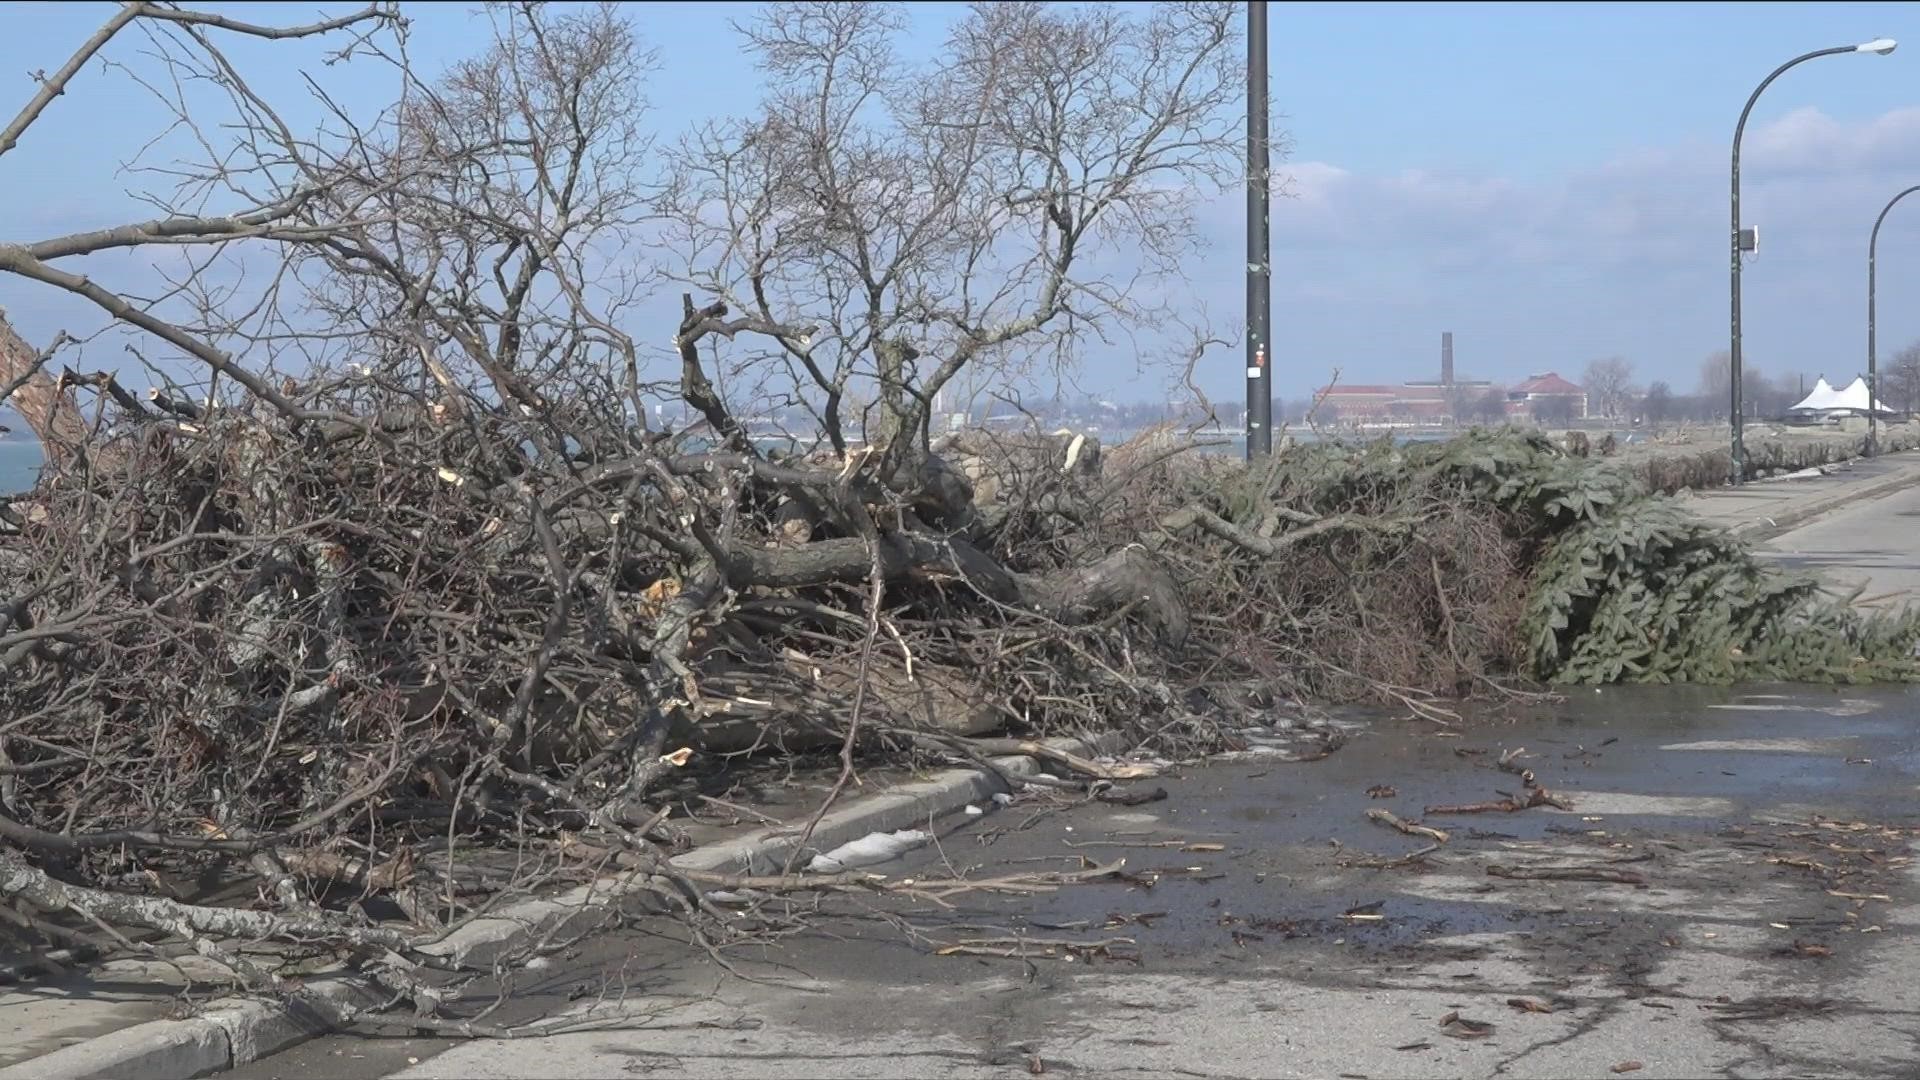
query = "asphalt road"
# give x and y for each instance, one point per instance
(1874, 545)
(1758, 828)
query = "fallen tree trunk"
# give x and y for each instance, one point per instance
(49, 408)
(1128, 578)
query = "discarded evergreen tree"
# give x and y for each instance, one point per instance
(1620, 584)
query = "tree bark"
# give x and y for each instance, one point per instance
(1129, 576)
(48, 409)
(22, 882)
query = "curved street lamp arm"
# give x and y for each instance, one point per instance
(1874, 242)
(1741, 128)
(1873, 352)
(1739, 132)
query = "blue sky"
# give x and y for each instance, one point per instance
(1548, 181)
(1531, 90)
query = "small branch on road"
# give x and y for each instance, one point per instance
(1379, 862)
(1536, 796)
(1390, 820)
(1568, 873)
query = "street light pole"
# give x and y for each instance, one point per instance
(1873, 360)
(1880, 47)
(1259, 269)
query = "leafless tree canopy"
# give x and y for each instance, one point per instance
(1902, 380)
(1658, 404)
(1608, 382)
(1716, 381)
(921, 220)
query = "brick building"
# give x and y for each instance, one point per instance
(1432, 403)
(1545, 396)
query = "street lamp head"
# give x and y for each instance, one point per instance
(1883, 46)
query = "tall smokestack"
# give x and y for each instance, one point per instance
(1446, 359)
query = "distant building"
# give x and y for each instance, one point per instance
(1433, 402)
(1547, 395)
(1418, 401)
(1406, 403)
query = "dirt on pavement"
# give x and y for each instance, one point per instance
(1728, 894)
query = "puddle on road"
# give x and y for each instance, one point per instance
(1768, 746)
(1656, 772)
(1776, 703)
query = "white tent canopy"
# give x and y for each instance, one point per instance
(1822, 397)
(1854, 398)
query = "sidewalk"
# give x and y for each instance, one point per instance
(41, 1014)
(1765, 509)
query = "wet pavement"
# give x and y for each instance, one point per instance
(1757, 918)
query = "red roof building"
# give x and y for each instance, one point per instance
(1548, 385)
(1546, 395)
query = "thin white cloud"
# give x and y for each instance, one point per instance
(1810, 142)
(1626, 256)
(1805, 176)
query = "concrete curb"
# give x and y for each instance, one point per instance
(1786, 521)
(236, 1031)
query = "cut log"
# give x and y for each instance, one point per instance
(1129, 577)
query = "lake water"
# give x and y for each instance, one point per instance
(19, 463)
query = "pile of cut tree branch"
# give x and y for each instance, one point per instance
(418, 604)
(341, 652)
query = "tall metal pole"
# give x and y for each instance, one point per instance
(1873, 359)
(1259, 269)
(1882, 46)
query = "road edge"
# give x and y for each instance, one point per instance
(1761, 530)
(235, 1031)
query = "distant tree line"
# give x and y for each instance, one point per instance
(1766, 395)
(1612, 394)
